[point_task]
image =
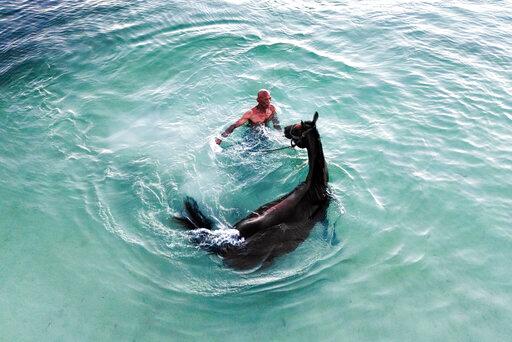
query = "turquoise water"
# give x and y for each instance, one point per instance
(107, 114)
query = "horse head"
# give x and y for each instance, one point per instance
(299, 132)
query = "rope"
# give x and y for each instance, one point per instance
(273, 150)
(292, 145)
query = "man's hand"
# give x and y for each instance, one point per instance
(218, 141)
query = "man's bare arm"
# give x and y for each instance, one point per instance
(231, 128)
(274, 119)
(275, 122)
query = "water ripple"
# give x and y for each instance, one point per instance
(108, 112)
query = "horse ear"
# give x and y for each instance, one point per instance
(301, 123)
(315, 117)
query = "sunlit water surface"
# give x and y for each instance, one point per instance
(107, 114)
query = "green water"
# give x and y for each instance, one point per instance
(108, 110)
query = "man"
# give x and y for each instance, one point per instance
(258, 115)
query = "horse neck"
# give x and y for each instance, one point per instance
(317, 176)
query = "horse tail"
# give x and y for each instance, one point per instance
(201, 232)
(192, 217)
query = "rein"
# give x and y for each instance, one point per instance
(293, 141)
(277, 149)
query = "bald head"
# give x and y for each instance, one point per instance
(263, 92)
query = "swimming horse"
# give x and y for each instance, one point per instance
(275, 228)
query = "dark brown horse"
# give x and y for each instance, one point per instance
(275, 228)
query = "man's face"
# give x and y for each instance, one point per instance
(264, 99)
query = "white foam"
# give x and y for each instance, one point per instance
(221, 236)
